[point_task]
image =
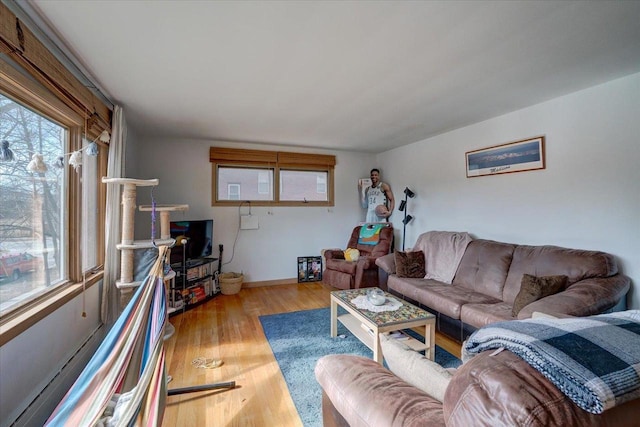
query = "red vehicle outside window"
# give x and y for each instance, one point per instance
(15, 265)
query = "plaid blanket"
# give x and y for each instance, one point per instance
(594, 361)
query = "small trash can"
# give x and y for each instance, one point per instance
(230, 283)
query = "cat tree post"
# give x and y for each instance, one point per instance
(127, 243)
(128, 212)
(165, 234)
(165, 211)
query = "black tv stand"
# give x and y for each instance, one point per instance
(194, 262)
(194, 283)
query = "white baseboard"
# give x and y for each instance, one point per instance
(270, 283)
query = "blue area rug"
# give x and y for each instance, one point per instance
(299, 339)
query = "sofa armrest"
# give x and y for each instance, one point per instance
(547, 315)
(584, 298)
(334, 254)
(366, 262)
(366, 394)
(387, 263)
(503, 390)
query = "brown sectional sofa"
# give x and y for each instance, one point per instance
(488, 279)
(488, 390)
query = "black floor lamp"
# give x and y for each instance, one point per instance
(403, 208)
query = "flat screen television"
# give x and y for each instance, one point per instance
(199, 240)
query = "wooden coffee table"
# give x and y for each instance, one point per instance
(368, 325)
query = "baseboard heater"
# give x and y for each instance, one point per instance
(46, 400)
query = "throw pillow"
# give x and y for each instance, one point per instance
(415, 369)
(410, 264)
(351, 254)
(533, 288)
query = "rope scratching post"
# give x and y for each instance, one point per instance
(127, 243)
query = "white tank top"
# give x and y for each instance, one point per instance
(375, 197)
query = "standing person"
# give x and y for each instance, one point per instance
(378, 193)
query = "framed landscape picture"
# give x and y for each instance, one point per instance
(515, 156)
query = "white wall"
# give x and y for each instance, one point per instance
(32, 360)
(588, 197)
(269, 253)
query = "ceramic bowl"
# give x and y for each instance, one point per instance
(376, 296)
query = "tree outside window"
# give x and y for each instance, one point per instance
(32, 208)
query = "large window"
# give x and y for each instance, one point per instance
(37, 202)
(50, 223)
(52, 215)
(271, 177)
(32, 213)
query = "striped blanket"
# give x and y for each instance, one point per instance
(594, 361)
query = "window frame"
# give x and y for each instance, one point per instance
(276, 160)
(24, 90)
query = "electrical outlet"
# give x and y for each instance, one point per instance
(249, 222)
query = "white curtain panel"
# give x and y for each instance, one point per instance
(115, 169)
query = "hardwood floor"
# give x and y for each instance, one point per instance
(228, 328)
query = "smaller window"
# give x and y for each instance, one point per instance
(302, 186)
(234, 191)
(231, 179)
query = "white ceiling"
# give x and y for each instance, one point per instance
(353, 75)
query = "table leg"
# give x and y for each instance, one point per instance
(334, 318)
(430, 340)
(377, 348)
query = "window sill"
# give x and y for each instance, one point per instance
(22, 319)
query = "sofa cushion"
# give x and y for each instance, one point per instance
(479, 315)
(553, 261)
(409, 264)
(414, 368)
(445, 299)
(484, 267)
(407, 287)
(534, 288)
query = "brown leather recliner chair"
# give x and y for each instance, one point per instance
(363, 273)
